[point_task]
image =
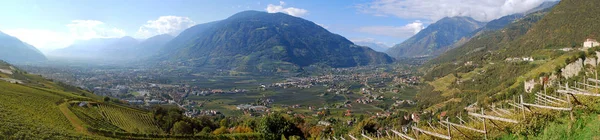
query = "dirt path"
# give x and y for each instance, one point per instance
(75, 121)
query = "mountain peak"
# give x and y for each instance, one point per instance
(260, 41)
(436, 38)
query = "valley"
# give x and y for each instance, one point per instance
(378, 70)
(337, 88)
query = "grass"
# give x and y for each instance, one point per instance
(75, 121)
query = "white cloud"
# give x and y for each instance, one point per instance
(46, 40)
(88, 29)
(482, 10)
(172, 25)
(395, 31)
(289, 10)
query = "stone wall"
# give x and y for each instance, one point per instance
(572, 69)
(529, 85)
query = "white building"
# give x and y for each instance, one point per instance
(590, 43)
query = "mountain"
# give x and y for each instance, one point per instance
(260, 41)
(99, 48)
(568, 24)
(490, 67)
(151, 46)
(501, 22)
(380, 47)
(544, 5)
(436, 38)
(17, 51)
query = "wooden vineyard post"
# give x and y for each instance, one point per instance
(484, 127)
(416, 134)
(448, 128)
(545, 93)
(570, 112)
(523, 107)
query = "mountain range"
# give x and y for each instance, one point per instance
(260, 41)
(436, 38)
(113, 49)
(376, 46)
(448, 33)
(17, 51)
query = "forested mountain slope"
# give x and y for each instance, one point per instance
(436, 38)
(494, 65)
(260, 41)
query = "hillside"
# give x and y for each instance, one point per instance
(569, 24)
(436, 38)
(492, 66)
(32, 107)
(259, 41)
(17, 51)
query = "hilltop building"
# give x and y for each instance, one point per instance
(590, 43)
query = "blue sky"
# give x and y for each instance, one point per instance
(52, 24)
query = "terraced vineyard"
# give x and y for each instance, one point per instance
(30, 113)
(130, 120)
(92, 117)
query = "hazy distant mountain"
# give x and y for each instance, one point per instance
(436, 38)
(99, 49)
(260, 41)
(14, 50)
(151, 46)
(380, 47)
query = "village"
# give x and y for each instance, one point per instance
(149, 87)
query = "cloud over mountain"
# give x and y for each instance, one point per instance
(171, 25)
(88, 29)
(289, 10)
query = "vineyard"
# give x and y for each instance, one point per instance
(92, 117)
(29, 113)
(130, 120)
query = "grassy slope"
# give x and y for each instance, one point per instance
(566, 25)
(491, 77)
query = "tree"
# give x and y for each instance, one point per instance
(182, 128)
(206, 130)
(242, 129)
(166, 118)
(276, 124)
(221, 130)
(106, 99)
(224, 123)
